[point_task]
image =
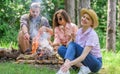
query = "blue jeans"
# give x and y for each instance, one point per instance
(73, 50)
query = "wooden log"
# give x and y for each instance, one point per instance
(26, 57)
(9, 53)
(40, 61)
(26, 61)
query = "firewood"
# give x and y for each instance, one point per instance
(26, 61)
(26, 57)
(9, 53)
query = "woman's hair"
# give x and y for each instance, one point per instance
(65, 16)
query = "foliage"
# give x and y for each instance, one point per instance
(100, 6)
(50, 6)
(10, 12)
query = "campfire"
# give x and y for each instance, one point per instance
(40, 55)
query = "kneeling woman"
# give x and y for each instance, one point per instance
(84, 52)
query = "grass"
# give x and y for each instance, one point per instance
(4, 44)
(13, 68)
(111, 65)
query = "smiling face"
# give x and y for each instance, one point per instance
(34, 12)
(86, 20)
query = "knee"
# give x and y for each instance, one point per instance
(60, 49)
(71, 44)
(98, 67)
(20, 36)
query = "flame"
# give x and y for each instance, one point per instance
(34, 46)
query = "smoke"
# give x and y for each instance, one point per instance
(34, 26)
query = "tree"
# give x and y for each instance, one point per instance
(111, 26)
(81, 4)
(70, 8)
(119, 12)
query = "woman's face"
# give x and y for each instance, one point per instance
(86, 20)
(60, 19)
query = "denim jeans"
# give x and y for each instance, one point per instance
(74, 50)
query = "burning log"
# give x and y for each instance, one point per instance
(42, 53)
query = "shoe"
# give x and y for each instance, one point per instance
(84, 70)
(75, 68)
(61, 72)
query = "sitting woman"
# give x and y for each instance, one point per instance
(84, 52)
(63, 29)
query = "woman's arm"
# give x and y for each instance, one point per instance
(49, 30)
(85, 52)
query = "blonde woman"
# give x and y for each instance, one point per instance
(85, 51)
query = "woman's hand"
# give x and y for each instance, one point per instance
(73, 36)
(65, 67)
(63, 42)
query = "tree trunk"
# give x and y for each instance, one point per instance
(111, 26)
(81, 4)
(119, 13)
(70, 8)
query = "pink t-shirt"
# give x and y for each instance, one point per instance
(64, 33)
(89, 38)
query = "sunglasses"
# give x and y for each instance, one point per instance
(60, 19)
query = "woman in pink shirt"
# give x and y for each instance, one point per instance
(84, 52)
(63, 29)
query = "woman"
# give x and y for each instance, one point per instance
(63, 29)
(84, 52)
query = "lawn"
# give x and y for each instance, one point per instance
(111, 65)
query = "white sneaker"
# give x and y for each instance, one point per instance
(61, 72)
(84, 70)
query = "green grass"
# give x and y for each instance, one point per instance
(13, 68)
(4, 44)
(111, 65)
